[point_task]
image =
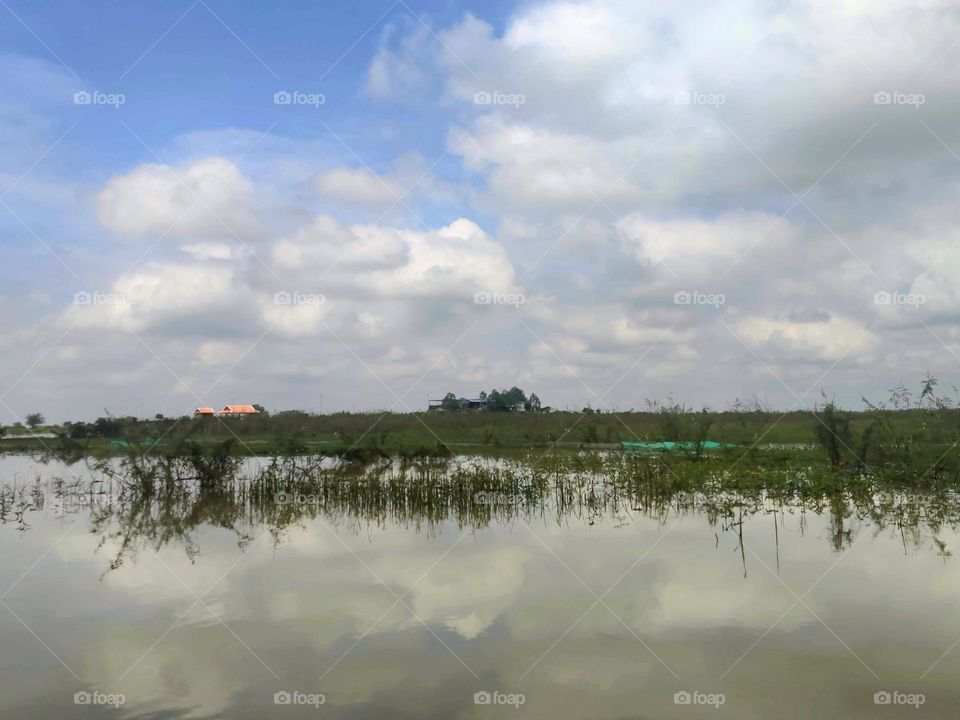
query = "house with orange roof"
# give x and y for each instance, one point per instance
(238, 410)
(204, 411)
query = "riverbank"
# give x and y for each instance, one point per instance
(909, 442)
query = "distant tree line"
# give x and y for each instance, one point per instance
(104, 427)
(495, 401)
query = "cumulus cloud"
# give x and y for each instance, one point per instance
(704, 106)
(770, 155)
(454, 261)
(399, 188)
(702, 244)
(208, 198)
(579, 34)
(219, 352)
(165, 297)
(606, 325)
(328, 284)
(820, 335)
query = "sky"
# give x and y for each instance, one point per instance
(362, 206)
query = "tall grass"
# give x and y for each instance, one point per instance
(147, 502)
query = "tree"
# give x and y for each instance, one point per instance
(533, 403)
(504, 400)
(833, 431)
(107, 426)
(260, 409)
(450, 402)
(496, 402)
(928, 397)
(34, 420)
(515, 396)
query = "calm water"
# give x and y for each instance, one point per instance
(205, 604)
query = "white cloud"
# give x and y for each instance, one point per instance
(400, 72)
(579, 34)
(164, 295)
(605, 325)
(294, 320)
(209, 251)
(694, 244)
(797, 87)
(826, 338)
(606, 194)
(219, 352)
(209, 198)
(454, 261)
(360, 185)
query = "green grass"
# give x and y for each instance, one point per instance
(916, 441)
(471, 428)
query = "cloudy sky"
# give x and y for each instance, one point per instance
(365, 205)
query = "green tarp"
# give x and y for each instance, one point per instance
(669, 445)
(119, 443)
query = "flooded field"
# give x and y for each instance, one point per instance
(598, 588)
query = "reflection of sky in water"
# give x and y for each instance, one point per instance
(491, 602)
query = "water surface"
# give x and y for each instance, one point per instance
(581, 602)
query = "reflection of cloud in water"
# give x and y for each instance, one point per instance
(499, 600)
(295, 613)
(465, 593)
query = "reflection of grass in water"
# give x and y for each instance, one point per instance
(150, 502)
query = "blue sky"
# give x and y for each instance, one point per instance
(788, 167)
(185, 69)
(190, 66)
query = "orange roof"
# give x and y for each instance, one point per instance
(204, 411)
(238, 410)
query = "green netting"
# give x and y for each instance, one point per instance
(670, 445)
